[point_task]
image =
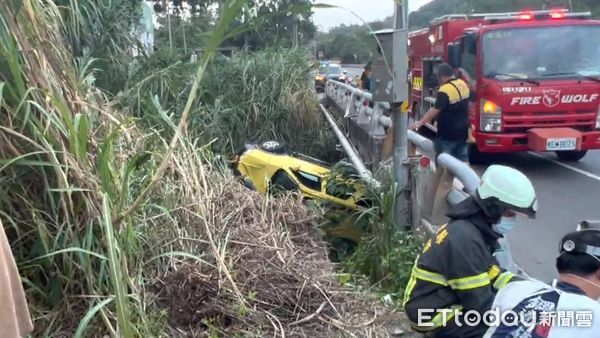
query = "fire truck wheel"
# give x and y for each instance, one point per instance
(475, 156)
(571, 156)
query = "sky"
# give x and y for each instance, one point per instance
(368, 10)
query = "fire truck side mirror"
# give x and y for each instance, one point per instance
(454, 55)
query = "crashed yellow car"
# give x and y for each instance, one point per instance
(268, 168)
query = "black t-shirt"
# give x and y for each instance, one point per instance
(453, 103)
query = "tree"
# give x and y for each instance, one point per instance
(353, 43)
(263, 23)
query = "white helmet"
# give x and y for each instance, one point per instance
(503, 188)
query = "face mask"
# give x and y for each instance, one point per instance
(587, 281)
(505, 226)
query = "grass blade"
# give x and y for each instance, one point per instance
(116, 274)
(89, 316)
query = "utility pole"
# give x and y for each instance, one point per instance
(400, 116)
(170, 32)
(295, 32)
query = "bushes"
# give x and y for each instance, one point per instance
(387, 252)
(96, 262)
(252, 97)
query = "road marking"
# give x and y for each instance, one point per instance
(567, 166)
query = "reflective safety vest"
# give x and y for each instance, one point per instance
(455, 272)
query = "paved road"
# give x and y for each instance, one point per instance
(568, 193)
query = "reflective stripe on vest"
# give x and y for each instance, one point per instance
(472, 282)
(429, 276)
(503, 279)
(494, 271)
(462, 284)
(418, 273)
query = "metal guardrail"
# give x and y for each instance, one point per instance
(441, 191)
(359, 104)
(348, 149)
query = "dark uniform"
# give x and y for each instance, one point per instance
(456, 271)
(453, 120)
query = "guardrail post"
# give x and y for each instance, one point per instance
(351, 107)
(376, 128)
(340, 96)
(363, 117)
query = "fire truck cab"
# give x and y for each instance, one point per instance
(536, 76)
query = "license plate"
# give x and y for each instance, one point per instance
(557, 144)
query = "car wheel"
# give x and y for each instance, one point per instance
(571, 156)
(273, 147)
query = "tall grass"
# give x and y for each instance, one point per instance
(74, 177)
(251, 97)
(266, 95)
(104, 216)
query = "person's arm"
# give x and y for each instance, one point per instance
(441, 102)
(468, 275)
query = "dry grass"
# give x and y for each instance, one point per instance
(120, 232)
(261, 269)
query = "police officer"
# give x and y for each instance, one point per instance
(569, 308)
(456, 272)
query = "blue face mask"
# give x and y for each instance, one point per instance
(505, 226)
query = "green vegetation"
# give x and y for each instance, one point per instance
(350, 43)
(255, 96)
(387, 252)
(119, 221)
(261, 24)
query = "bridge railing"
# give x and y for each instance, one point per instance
(367, 124)
(360, 105)
(431, 194)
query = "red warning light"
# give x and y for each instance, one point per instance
(526, 16)
(424, 162)
(557, 15)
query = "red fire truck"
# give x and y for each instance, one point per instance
(536, 75)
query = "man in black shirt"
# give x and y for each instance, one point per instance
(452, 112)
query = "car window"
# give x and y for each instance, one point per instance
(334, 69)
(309, 180)
(281, 181)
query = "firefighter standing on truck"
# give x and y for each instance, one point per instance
(456, 271)
(452, 112)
